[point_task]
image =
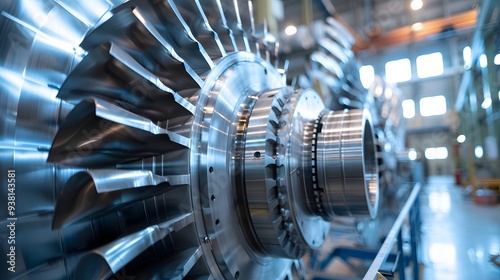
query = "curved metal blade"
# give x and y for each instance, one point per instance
(132, 32)
(93, 193)
(176, 266)
(334, 50)
(171, 25)
(344, 33)
(108, 72)
(110, 258)
(136, 35)
(98, 133)
(192, 13)
(329, 64)
(244, 9)
(230, 9)
(215, 15)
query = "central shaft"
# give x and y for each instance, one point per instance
(301, 166)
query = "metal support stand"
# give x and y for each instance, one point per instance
(384, 257)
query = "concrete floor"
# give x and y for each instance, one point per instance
(458, 235)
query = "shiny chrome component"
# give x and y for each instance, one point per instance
(157, 139)
(346, 164)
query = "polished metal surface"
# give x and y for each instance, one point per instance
(347, 171)
(158, 139)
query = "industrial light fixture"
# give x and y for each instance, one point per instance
(461, 138)
(290, 30)
(486, 103)
(483, 61)
(496, 60)
(416, 5)
(478, 151)
(417, 26)
(467, 53)
(412, 154)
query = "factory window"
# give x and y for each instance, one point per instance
(433, 106)
(408, 108)
(367, 75)
(398, 70)
(436, 153)
(430, 65)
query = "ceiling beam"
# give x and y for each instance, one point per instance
(406, 34)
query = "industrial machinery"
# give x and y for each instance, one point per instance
(327, 63)
(158, 139)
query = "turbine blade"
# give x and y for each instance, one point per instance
(107, 72)
(98, 133)
(135, 34)
(193, 15)
(231, 13)
(110, 258)
(176, 266)
(90, 194)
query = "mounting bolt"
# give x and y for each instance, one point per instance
(208, 241)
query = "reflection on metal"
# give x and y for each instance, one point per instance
(92, 193)
(158, 139)
(113, 256)
(345, 177)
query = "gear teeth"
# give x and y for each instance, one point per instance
(317, 190)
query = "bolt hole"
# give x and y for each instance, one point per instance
(314, 241)
(211, 169)
(212, 197)
(217, 222)
(265, 71)
(237, 275)
(302, 223)
(256, 154)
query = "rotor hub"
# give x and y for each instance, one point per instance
(293, 164)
